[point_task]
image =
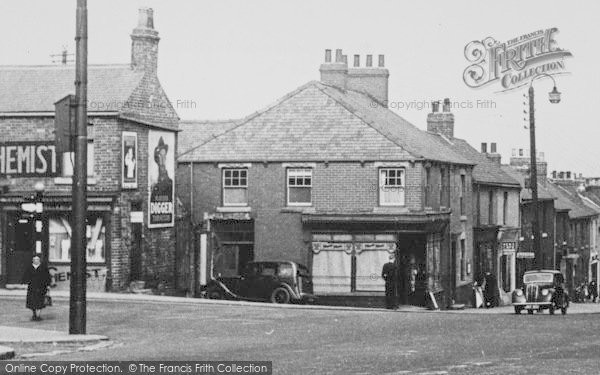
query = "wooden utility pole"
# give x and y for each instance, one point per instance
(77, 311)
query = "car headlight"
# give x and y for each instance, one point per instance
(518, 292)
(545, 292)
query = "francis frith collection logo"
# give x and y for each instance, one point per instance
(513, 63)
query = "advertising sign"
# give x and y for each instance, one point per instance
(161, 172)
(129, 157)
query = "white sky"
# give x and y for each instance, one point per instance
(232, 58)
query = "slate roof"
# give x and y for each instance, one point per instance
(485, 171)
(111, 88)
(543, 192)
(569, 195)
(196, 132)
(318, 122)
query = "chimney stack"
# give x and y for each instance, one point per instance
(144, 42)
(370, 80)
(493, 155)
(441, 122)
(334, 73)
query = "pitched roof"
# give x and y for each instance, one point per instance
(195, 132)
(111, 88)
(485, 171)
(543, 192)
(568, 196)
(320, 122)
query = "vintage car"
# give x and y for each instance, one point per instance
(542, 289)
(272, 281)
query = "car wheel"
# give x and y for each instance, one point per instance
(215, 294)
(280, 295)
(530, 311)
(563, 311)
(518, 309)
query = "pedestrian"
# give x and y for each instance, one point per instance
(389, 273)
(37, 278)
(593, 290)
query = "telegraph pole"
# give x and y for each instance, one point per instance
(535, 220)
(77, 310)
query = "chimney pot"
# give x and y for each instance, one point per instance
(356, 61)
(369, 61)
(493, 147)
(568, 175)
(446, 107)
(146, 18)
(338, 55)
(345, 59)
(327, 55)
(484, 148)
(381, 61)
(435, 106)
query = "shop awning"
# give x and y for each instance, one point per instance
(59, 201)
(409, 222)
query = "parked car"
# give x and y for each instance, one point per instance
(542, 289)
(276, 282)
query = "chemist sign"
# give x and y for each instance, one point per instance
(28, 159)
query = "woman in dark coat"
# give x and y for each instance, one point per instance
(37, 278)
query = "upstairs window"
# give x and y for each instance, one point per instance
(392, 183)
(299, 186)
(235, 187)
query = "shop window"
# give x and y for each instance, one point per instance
(299, 187)
(60, 233)
(391, 182)
(235, 187)
(331, 271)
(369, 264)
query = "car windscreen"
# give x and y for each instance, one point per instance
(538, 278)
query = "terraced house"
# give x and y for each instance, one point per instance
(131, 144)
(329, 177)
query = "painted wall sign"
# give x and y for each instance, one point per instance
(129, 156)
(161, 186)
(22, 159)
(61, 276)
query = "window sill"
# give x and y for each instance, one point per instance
(69, 181)
(234, 209)
(390, 209)
(300, 209)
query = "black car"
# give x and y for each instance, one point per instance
(542, 289)
(272, 281)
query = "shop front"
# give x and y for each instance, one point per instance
(347, 254)
(19, 234)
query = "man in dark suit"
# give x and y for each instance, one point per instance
(390, 275)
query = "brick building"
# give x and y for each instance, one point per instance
(131, 145)
(329, 177)
(496, 221)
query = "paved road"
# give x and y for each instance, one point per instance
(345, 342)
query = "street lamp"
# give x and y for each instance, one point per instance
(554, 97)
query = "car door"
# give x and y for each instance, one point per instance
(248, 281)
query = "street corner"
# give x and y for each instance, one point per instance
(31, 335)
(6, 353)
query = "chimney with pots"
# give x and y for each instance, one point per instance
(370, 80)
(334, 73)
(441, 122)
(144, 42)
(493, 155)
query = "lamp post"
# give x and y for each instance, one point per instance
(38, 216)
(554, 98)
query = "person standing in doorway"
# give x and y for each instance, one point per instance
(390, 275)
(412, 271)
(37, 278)
(593, 290)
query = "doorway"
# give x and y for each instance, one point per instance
(20, 248)
(412, 261)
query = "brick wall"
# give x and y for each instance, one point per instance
(158, 248)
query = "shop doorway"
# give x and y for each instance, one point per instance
(411, 256)
(20, 246)
(135, 258)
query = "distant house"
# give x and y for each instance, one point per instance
(329, 177)
(132, 135)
